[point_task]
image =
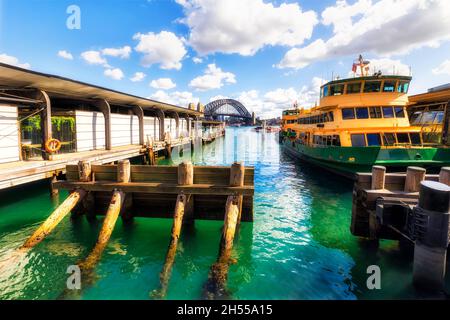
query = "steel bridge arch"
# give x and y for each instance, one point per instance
(212, 108)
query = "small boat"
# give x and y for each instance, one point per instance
(272, 129)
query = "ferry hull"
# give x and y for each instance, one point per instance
(347, 161)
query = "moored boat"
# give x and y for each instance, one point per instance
(361, 122)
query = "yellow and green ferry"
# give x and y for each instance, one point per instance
(361, 122)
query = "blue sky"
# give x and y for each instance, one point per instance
(266, 54)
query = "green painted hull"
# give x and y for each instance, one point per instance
(349, 160)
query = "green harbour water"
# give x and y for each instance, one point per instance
(299, 246)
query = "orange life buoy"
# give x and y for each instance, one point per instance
(52, 145)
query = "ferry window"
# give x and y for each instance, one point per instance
(375, 112)
(330, 116)
(348, 113)
(353, 87)
(399, 112)
(389, 139)
(439, 117)
(372, 86)
(362, 113)
(329, 140)
(373, 139)
(336, 90)
(403, 87)
(402, 138)
(428, 117)
(415, 138)
(336, 141)
(416, 117)
(325, 91)
(388, 112)
(358, 140)
(389, 86)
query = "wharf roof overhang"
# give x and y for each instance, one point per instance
(428, 97)
(12, 77)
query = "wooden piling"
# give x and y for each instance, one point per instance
(444, 175)
(164, 276)
(414, 176)
(216, 284)
(185, 173)
(168, 151)
(53, 191)
(378, 177)
(123, 171)
(151, 156)
(55, 218)
(237, 173)
(185, 177)
(105, 233)
(84, 171)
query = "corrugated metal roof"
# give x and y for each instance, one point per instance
(56, 86)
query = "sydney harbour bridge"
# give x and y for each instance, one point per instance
(229, 110)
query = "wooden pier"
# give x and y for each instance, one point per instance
(183, 193)
(48, 122)
(411, 207)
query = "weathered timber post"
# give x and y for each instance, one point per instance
(218, 275)
(84, 171)
(237, 173)
(123, 171)
(444, 175)
(378, 177)
(414, 176)
(53, 191)
(150, 153)
(377, 183)
(185, 177)
(168, 150)
(105, 233)
(185, 173)
(431, 225)
(114, 209)
(55, 218)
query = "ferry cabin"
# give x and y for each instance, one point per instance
(361, 122)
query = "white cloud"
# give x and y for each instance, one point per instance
(122, 53)
(386, 27)
(213, 78)
(94, 58)
(115, 74)
(180, 98)
(138, 76)
(4, 58)
(443, 68)
(163, 83)
(218, 97)
(271, 103)
(65, 55)
(197, 60)
(164, 48)
(244, 27)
